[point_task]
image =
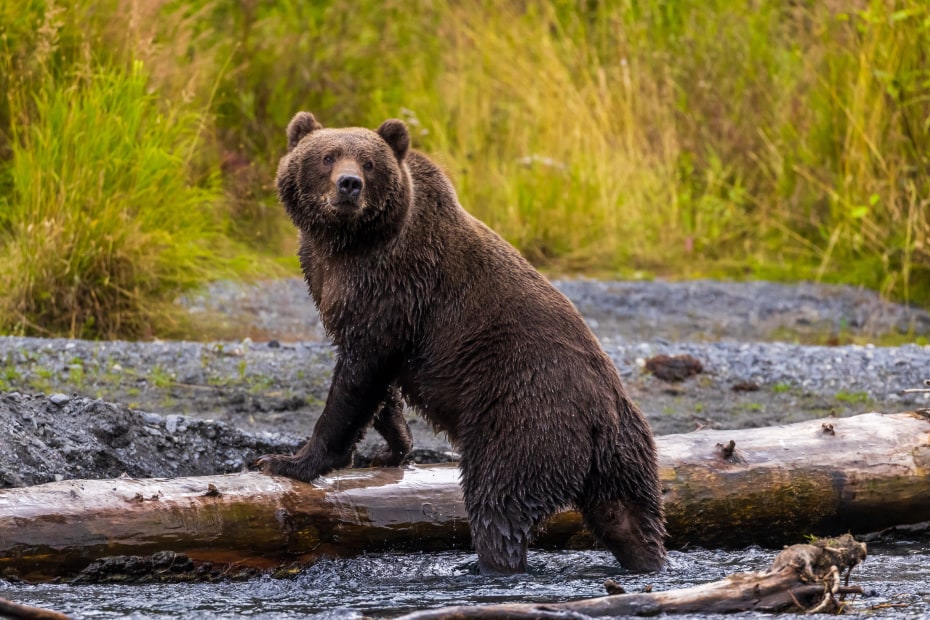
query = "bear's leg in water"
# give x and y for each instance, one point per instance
(633, 533)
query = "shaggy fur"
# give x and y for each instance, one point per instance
(419, 295)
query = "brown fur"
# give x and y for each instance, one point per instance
(417, 294)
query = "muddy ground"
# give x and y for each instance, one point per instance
(768, 354)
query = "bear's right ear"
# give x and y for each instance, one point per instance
(395, 133)
(302, 124)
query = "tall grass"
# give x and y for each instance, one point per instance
(784, 140)
(696, 137)
(109, 215)
(720, 137)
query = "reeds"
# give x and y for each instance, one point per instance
(760, 139)
(109, 213)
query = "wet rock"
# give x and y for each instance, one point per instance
(161, 567)
(59, 399)
(96, 439)
(174, 423)
(673, 367)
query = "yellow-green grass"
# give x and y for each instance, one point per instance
(761, 139)
(104, 224)
(109, 212)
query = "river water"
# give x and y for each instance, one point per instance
(895, 578)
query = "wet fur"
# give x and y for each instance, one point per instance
(419, 295)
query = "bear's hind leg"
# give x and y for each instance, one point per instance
(501, 543)
(506, 500)
(632, 533)
(390, 423)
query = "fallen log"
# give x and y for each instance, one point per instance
(9, 609)
(722, 488)
(803, 578)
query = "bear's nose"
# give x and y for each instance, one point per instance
(349, 185)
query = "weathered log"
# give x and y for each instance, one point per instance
(859, 474)
(9, 609)
(801, 578)
(722, 488)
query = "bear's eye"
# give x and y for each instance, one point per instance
(329, 160)
(368, 166)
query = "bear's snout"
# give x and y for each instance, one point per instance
(349, 185)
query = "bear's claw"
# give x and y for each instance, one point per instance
(289, 466)
(272, 463)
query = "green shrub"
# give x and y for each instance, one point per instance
(104, 225)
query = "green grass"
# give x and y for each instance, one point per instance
(138, 141)
(111, 212)
(161, 377)
(9, 378)
(853, 398)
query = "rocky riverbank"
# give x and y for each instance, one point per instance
(98, 409)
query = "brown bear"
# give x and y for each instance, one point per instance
(420, 296)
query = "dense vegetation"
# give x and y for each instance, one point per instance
(138, 138)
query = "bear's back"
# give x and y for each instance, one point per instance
(492, 320)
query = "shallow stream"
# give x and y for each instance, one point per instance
(895, 578)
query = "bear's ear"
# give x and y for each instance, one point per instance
(302, 124)
(394, 132)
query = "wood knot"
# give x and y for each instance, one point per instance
(613, 587)
(212, 491)
(827, 428)
(728, 453)
(138, 498)
(726, 450)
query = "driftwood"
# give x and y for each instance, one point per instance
(722, 488)
(801, 578)
(9, 609)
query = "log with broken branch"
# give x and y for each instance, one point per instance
(806, 578)
(768, 486)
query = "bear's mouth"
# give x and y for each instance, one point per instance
(343, 204)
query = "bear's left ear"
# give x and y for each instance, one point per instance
(394, 132)
(302, 124)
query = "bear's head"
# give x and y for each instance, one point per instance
(346, 187)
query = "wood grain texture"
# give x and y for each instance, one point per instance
(774, 486)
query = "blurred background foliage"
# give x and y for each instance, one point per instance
(782, 139)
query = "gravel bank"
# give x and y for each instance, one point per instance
(264, 392)
(701, 310)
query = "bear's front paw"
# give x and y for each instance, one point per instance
(286, 465)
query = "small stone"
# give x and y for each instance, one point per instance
(673, 367)
(172, 422)
(745, 386)
(152, 419)
(59, 399)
